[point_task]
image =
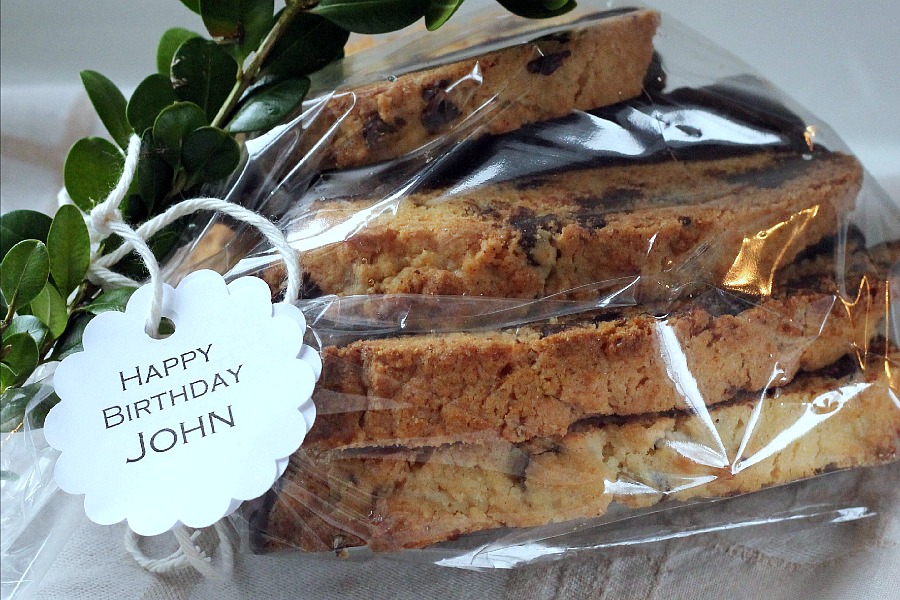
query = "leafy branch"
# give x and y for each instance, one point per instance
(249, 77)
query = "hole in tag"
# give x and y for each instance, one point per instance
(166, 328)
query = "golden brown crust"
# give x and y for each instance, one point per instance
(401, 498)
(538, 379)
(548, 78)
(731, 221)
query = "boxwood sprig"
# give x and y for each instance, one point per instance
(248, 76)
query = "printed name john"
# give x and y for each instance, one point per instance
(167, 438)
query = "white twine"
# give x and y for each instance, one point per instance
(188, 554)
(106, 219)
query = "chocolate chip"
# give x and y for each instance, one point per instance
(309, 288)
(563, 37)
(686, 221)
(719, 303)
(771, 177)
(376, 128)
(551, 329)
(614, 199)
(488, 212)
(691, 131)
(439, 109)
(843, 367)
(528, 224)
(733, 100)
(520, 472)
(655, 78)
(548, 63)
(523, 220)
(530, 184)
(590, 220)
(550, 223)
(431, 91)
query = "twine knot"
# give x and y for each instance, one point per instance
(106, 219)
(100, 221)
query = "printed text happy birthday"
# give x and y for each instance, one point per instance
(167, 438)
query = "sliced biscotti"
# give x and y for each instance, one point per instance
(538, 379)
(396, 498)
(672, 223)
(587, 67)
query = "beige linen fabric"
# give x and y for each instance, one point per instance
(856, 559)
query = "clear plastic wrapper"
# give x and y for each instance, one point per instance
(573, 286)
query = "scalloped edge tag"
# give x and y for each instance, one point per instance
(181, 430)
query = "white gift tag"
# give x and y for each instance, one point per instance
(181, 429)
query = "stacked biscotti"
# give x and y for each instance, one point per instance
(578, 69)
(750, 350)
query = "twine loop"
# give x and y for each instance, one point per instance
(104, 220)
(192, 552)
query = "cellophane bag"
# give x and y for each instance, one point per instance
(575, 285)
(562, 276)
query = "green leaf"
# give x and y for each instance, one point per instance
(150, 97)
(132, 266)
(27, 324)
(20, 354)
(24, 272)
(14, 402)
(116, 299)
(19, 225)
(69, 245)
(110, 105)
(439, 11)
(194, 5)
(168, 44)
(50, 308)
(8, 475)
(203, 73)
(209, 154)
(309, 43)
(537, 9)
(70, 341)
(38, 414)
(166, 327)
(372, 16)
(268, 106)
(93, 168)
(7, 379)
(154, 174)
(239, 24)
(134, 209)
(172, 126)
(164, 242)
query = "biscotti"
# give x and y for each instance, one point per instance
(500, 91)
(395, 498)
(536, 380)
(669, 223)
